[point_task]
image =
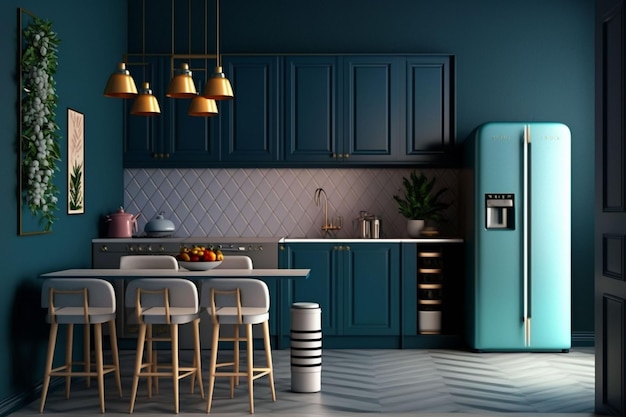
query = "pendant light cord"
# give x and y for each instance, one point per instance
(143, 38)
(217, 29)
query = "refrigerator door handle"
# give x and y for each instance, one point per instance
(526, 233)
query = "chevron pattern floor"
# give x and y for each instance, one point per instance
(384, 382)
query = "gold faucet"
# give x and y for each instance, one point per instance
(328, 226)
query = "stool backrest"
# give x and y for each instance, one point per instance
(148, 262)
(254, 292)
(100, 293)
(236, 262)
(181, 292)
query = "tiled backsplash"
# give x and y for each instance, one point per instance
(275, 202)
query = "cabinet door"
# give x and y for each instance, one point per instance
(320, 287)
(372, 108)
(311, 109)
(249, 121)
(143, 135)
(429, 108)
(189, 140)
(371, 289)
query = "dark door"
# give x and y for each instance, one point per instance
(610, 210)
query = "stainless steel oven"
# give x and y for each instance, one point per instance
(106, 253)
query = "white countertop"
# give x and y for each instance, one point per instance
(400, 240)
(181, 273)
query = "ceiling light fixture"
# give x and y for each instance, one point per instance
(120, 84)
(181, 84)
(146, 103)
(217, 86)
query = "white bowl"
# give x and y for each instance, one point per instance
(199, 266)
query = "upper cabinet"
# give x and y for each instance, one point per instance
(430, 109)
(309, 110)
(250, 121)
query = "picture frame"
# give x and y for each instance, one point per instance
(75, 162)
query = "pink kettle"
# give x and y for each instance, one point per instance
(121, 224)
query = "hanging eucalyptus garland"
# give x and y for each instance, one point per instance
(40, 137)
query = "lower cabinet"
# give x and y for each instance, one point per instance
(371, 293)
(357, 286)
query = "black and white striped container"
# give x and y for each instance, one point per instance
(306, 347)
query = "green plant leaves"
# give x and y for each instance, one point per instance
(419, 202)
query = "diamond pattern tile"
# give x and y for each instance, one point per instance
(274, 202)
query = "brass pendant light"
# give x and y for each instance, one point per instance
(181, 84)
(146, 103)
(120, 84)
(217, 85)
(202, 107)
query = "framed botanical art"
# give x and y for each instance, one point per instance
(75, 162)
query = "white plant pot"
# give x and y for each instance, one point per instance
(414, 227)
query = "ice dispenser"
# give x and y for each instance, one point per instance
(500, 211)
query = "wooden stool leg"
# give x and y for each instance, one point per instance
(68, 358)
(99, 363)
(197, 357)
(236, 353)
(87, 352)
(212, 364)
(141, 339)
(250, 347)
(268, 356)
(116, 356)
(149, 358)
(175, 371)
(54, 327)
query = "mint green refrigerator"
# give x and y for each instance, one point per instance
(518, 198)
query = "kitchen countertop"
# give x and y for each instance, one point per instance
(398, 240)
(214, 239)
(182, 273)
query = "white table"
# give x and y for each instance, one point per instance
(181, 273)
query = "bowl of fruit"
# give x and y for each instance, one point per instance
(199, 258)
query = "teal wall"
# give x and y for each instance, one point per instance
(93, 39)
(516, 60)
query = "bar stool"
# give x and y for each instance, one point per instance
(148, 262)
(85, 301)
(238, 301)
(236, 262)
(171, 301)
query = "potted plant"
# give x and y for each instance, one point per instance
(420, 203)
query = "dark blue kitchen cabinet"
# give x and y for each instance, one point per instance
(342, 109)
(356, 285)
(249, 122)
(321, 287)
(312, 102)
(429, 126)
(370, 289)
(373, 108)
(173, 138)
(304, 110)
